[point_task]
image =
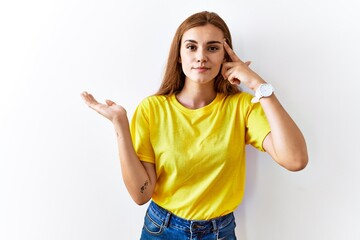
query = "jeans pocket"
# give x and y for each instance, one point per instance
(153, 225)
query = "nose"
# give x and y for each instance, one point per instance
(201, 56)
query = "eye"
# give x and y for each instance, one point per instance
(213, 48)
(191, 47)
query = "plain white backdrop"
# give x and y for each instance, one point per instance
(60, 176)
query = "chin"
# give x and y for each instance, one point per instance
(202, 80)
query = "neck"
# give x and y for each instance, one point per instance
(195, 97)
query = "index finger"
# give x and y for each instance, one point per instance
(231, 53)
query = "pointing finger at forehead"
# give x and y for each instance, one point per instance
(231, 53)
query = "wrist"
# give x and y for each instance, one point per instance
(120, 119)
(264, 90)
(256, 84)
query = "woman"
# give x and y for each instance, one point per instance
(186, 149)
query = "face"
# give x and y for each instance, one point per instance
(202, 53)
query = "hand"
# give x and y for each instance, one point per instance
(237, 71)
(110, 110)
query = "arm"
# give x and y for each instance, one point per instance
(139, 177)
(285, 143)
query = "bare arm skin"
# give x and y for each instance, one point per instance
(139, 177)
(285, 143)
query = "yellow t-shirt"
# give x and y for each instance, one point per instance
(199, 154)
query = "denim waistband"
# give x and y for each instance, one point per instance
(169, 219)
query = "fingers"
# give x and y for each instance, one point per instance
(231, 53)
(89, 99)
(109, 102)
(229, 71)
(87, 96)
(234, 81)
(233, 78)
(92, 102)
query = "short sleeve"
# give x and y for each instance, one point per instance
(140, 133)
(257, 126)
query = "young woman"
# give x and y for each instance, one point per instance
(185, 147)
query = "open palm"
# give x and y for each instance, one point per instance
(110, 110)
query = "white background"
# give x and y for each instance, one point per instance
(60, 176)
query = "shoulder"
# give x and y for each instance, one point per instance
(242, 98)
(240, 102)
(153, 101)
(152, 107)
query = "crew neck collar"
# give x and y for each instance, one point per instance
(204, 108)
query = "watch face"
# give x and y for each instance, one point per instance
(266, 90)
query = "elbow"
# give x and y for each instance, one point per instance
(141, 200)
(140, 203)
(297, 164)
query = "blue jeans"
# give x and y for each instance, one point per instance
(161, 224)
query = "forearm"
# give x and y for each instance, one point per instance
(139, 183)
(288, 143)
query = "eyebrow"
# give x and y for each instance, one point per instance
(209, 42)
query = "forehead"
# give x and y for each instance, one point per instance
(207, 32)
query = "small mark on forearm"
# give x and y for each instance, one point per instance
(142, 189)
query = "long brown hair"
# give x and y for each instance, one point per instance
(174, 78)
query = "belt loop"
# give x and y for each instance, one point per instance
(191, 229)
(167, 219)
(215, 227)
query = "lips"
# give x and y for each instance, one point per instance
(201, 69)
